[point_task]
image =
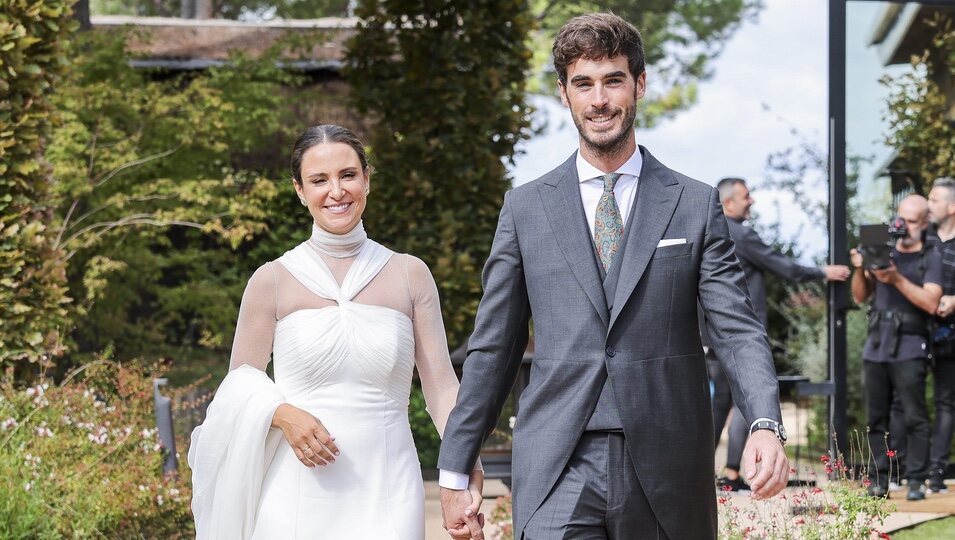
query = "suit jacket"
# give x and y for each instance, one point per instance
(644, 340)
(756, 258)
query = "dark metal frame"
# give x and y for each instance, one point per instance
(838, 241)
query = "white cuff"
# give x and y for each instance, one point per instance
(751, 426)
(453, 480)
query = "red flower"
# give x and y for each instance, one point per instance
(867, 482)
(722, 500)
(890, 453)
(817, 490)
(824, 458)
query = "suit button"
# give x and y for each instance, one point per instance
(611, 351)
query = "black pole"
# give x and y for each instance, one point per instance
(838, 250)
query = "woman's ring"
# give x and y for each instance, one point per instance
(306, 449)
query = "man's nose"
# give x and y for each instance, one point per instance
(600, 96)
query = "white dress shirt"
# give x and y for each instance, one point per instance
(591, 189)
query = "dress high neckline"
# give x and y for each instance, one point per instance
(339, 246)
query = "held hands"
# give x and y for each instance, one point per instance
(766, 464)
(306, 435)
(460, 509)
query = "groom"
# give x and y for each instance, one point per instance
(609, 254)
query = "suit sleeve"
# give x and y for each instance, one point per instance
(494, 351)
(735, 333)
(753, 250)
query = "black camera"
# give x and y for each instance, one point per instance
(877, 242)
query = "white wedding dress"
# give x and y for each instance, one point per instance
(344, 353)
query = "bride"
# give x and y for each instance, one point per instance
(325, 451)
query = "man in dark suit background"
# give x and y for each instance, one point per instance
(757, 258)
(610, 253)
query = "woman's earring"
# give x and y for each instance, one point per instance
(302, 200)
(367, 190)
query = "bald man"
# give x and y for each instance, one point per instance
(896, 349)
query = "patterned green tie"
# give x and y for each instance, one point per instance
(608, 227)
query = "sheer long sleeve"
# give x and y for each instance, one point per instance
(432, 358)
(255, 328)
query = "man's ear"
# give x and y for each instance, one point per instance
(563, 93)
(642, 85)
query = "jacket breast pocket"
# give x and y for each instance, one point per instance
(675, 250)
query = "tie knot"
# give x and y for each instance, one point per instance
(610, 180)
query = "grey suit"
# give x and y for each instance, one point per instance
(643, 341)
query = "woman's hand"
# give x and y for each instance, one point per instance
(476, 487)
(309, 439)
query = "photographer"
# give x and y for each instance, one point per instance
(896, 352)
(941, 204)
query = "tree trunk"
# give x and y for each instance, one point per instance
(81, 12)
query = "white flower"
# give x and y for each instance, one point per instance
(159, 500)
(27, 486)
(511, 421)
(9, 423)
(43, 431)
(31, 391)
(173, 492)
(142, 487)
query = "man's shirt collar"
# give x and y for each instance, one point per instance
(632, 167)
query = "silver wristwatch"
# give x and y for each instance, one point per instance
(773, 426)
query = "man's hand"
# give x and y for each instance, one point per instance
(855, 257)
(836, 272)
(889, 276)
(459, 509)
(766, 464)
(946, 306)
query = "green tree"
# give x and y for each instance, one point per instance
(920, 127)
(681, 39)
(444, 83)
(33, 296)
(164, 182)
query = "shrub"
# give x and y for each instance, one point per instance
(82, 459)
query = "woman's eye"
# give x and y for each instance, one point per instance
(319, 181)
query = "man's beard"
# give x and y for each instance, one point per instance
(617, 142)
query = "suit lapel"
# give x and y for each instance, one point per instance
(565, 212)
(657, 195)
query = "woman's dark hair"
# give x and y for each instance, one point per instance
(325, 133)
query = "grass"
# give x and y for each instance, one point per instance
(939, 528)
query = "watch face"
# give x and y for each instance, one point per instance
(782, 432)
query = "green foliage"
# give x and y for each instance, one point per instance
(33, 295)
(681, 39)
(81, 459)
(444, 85)
(426, 438)
(164, 183)
(919, 119)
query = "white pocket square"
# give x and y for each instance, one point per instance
(671, 242)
